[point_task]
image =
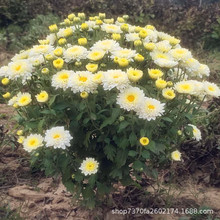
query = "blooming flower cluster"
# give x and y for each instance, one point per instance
(146, 72)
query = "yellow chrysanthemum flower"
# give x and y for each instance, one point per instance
(134, 74)
(155, 73)
(123, 62)
(21, 139)
(6, 95)
(82, 41)
(45, 71)
(19, 132)
(58, 52)
(62, 41)
(144, 141)
(168, 93)
(84, 26)
(149, 46)
(176, 155)
(139, 58)
(5, 81)
(53, 28)
(143, 33)
(58, 63)
(97, 78)
(84, 95)
(116, 36)
(160, 83)
(92, 67)
(42, 96)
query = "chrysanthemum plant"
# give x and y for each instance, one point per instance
(102, 101)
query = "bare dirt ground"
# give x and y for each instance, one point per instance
(33, 196)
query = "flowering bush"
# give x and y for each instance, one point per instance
(102, 101)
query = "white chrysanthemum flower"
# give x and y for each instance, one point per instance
(178, 73)
(180, 54)
(75, 53)
(51, 38)
(150, 109)
(211, 89)
(19, 68)
(13, 100)
(61, 78)
(82, 81)
(124, 53)
(130, 98)
(186, 87)
(115, 79)
(36, 60)
(23, 99)
(132, 37)
(40, 50)
(151, 36)
(21, 56)
(91, 24)
(106, 45)
(96, 55)
(196, 132)
(176, 155)
(89, 166)
(65, 32)
(32, 142)
(163, 46)
(198, 88)
(166, 63)
(191, 64)
(4, 71)
(58, 137)
(203, 70)
(111, 28)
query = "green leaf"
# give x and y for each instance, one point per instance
(116, 173)
(92, 180)
(48, 112)
(93, 116)
(152, 147)
(87, 192)
(122, 126)
(133, 139)
(132, 153)
(121, 157)
(52, 99)
(126, 181)
(138, 165)
(40, 125)
(102, 189)
(110, 151)
(69, 185)
(167, 119)
(112, 118)
(145, 154)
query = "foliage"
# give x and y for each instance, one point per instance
(87, 103)
(212, 40)
(16, 37)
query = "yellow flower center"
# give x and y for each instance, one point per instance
(90, 166)
(152, 107)
(211, 89)
(82, 78)
(56, 136)
(64, 76)
(23, 100)
(130, 98)
(17, 68)
(186, 87)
